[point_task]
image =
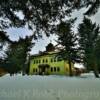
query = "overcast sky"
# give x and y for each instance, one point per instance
(41, 43)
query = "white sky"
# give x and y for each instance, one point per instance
(41, 43)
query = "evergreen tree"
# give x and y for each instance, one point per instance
(4, 40)
(17, 54)
(40, 12)
(97, 53)
(68, 39)
(88, 35)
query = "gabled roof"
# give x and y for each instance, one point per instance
(44, 54)
(50, 50)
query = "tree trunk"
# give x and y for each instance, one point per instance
(70, 68)
(96, 73)
(94, 63)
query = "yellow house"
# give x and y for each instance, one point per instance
(48, 63)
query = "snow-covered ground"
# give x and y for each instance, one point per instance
(52, 87)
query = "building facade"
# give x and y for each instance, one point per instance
(48, 63)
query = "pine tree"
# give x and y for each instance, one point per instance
(40, 12)
(88, 34)
(68, 39)
(97, 53)
(16, 56)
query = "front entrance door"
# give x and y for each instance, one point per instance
(43, 69)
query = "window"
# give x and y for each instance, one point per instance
(43, 60)
(51, 60)
(54, 59)
(51, 69)
(54, 69)
(34, 61)
(37, 61)
(58, 69)
(46, 60)
(33, 70)
(36, 70)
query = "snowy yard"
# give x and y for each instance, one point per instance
(20, 87)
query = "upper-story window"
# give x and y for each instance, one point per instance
(54, 59)
(46, 60)
(34, 62)
(39, 61)
(43, 61)
(51, 60)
